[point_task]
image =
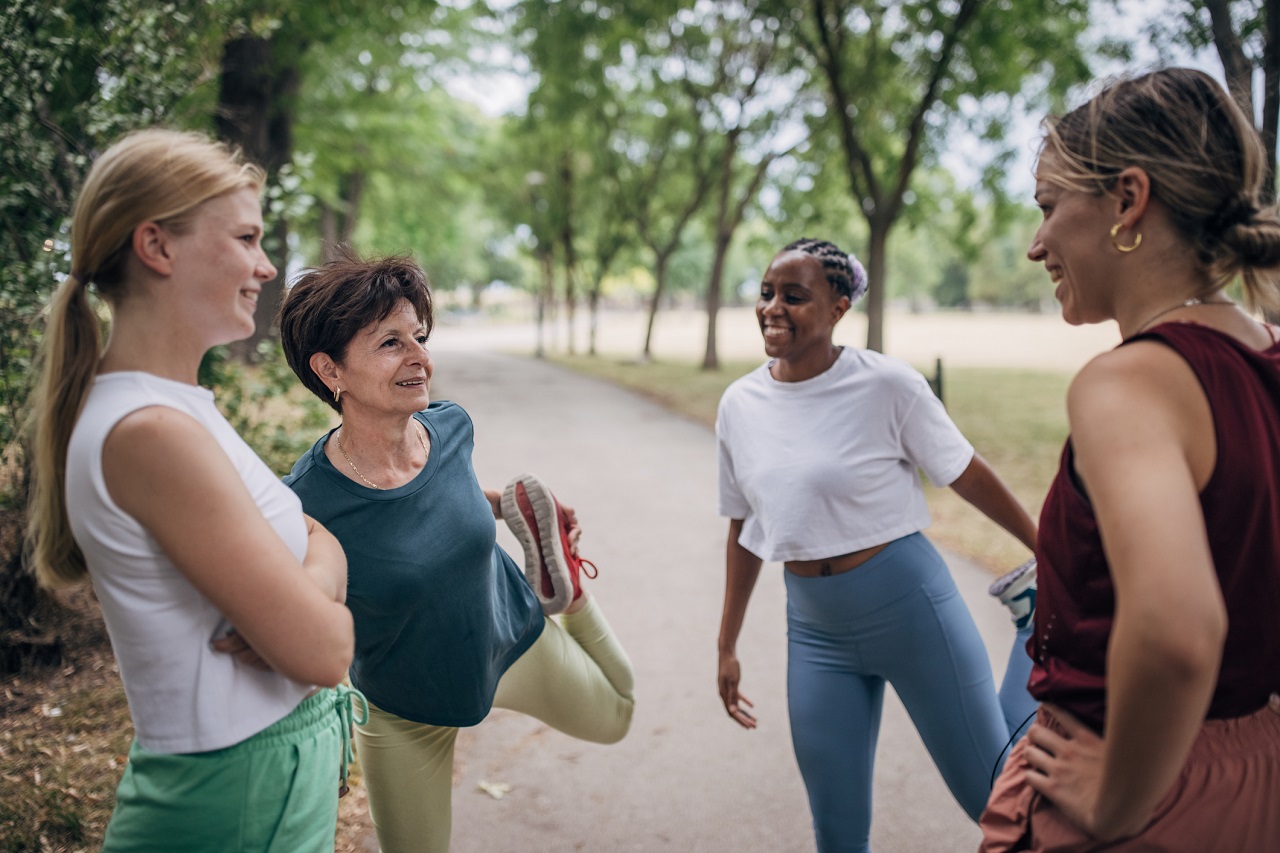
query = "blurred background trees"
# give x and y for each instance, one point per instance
(640, 154)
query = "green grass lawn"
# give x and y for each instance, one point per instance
(1015, 418)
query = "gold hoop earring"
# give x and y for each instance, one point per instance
(337, 393)
(1115, 231)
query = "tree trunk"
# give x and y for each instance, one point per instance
(1235, 65)
(1238, 70)
(727, 222)
(352, 194)
(1270, 96)
(570, 294)
(710, 358)
(593, 313)
(255, 113)
(328, 232)
(566, 240)
(338, 223)
(547, 264)
(660, 280)
(876, 296)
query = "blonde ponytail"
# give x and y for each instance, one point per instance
(67, 361)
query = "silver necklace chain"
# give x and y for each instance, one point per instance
(1190, 303)
(425, 454)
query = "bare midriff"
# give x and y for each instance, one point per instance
(833, 565)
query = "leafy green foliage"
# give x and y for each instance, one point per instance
(952, 289)
(74, 75)
(393, 160)
(1000, 273)
(1246, 36)
(273, 412)
(898, 76)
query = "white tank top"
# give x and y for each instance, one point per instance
(183, 696)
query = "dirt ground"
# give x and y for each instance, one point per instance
(64, 737)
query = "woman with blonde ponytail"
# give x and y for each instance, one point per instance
(1156, 642)
(224, 603)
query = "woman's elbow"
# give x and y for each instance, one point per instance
(1193, 648)
(326, 662)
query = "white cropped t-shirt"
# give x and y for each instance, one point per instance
(183, 696)
(828, 466)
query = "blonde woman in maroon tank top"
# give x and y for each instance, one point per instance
(1155, 639)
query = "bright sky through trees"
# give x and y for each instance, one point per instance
(1128, 20)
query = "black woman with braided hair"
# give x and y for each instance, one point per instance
(819, 450)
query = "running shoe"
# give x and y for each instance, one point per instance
(1016, 590)
(539, 523)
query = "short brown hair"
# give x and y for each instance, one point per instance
(330, 304)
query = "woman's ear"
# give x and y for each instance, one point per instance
(840, 309)
(1132, 193)
(151, 246)
(326, 368)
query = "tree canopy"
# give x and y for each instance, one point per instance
(673, 145)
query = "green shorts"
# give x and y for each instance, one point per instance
(275, 791)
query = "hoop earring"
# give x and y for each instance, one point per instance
(337, 393)
(1137, 239)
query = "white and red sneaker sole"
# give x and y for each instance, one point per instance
(533, 515)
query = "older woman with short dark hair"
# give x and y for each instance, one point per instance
(446, 625)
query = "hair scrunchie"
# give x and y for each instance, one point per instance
(859, 276)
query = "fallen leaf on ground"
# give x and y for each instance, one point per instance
(497, 790)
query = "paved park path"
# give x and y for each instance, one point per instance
(686, 778)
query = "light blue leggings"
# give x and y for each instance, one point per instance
(897, 618)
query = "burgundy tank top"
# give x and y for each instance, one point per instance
(1241, 503)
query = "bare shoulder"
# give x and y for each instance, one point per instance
(145, 450)
(158, 423)
(1131, 380)
(1144, 404)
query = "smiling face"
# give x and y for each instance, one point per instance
(797, 308)
(1074, 244)
(386, 367)
(220, 266)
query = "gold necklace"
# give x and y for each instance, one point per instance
(1190, 303)
(425, 453)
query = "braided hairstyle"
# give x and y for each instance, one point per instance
(844, 272)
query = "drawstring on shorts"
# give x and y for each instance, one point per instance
(345, 699)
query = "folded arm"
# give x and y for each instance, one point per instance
(169, 473)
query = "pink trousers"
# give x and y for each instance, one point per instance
(1226, 800)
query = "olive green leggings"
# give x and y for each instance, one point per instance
(575, 678)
